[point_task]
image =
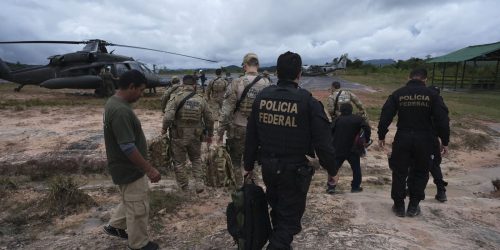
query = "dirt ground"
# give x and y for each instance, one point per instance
(470, 219)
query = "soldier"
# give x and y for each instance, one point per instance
(340, 96)
(108, 85)
(215, 93)
(175, 84)
(420, 112)
(266, 75)
(228, 77)
(236, 108)
(126, 150)
(188, 115)
(203, 79)
(287, 123)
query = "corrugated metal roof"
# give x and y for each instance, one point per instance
(469, 53)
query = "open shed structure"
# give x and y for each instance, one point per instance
(474, 67)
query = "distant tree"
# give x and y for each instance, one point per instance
(356, 64)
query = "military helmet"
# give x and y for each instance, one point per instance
(189, 80)
(175, 79)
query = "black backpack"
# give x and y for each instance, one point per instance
(248, 217)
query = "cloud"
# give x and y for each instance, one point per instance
(226, 30)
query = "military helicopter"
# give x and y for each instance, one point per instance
(80, 70)
(318, 70)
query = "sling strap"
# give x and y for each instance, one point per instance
(336, 103)
(245, 92)
(184, 101)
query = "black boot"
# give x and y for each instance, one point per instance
(413, 208)
(399, 208)
(441, 192)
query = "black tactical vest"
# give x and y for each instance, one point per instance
(283, 120)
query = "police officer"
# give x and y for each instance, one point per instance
(287, 123)
(420, 110)
(215, 93)
(435, 169)
(436, 172)
(236, 108)
(188, 115)
(175, 83)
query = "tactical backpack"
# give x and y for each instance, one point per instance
(219, 168)
(248, 217)
(160, 152)
(358, 146)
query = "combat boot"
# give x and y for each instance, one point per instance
(330, 189)
(199, 187)
(441, 192)
(399, 208)
(413, 208)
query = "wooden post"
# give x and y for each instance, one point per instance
(463, 74)
(456, 76)
(434, 70)
(496, 74)
(442, 78)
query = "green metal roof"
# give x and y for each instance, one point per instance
(469, 53)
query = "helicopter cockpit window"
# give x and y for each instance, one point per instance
(144, 68)
(135, 66)
(90, 47)
(120, 68)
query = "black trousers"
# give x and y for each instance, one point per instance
(287, 184)
(435, 167)
(436, 173)
(410, 159)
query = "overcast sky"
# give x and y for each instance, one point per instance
(318, 30)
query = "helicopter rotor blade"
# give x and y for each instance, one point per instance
(55, 42)
(157, 50)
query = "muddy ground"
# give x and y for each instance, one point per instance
(38, 142)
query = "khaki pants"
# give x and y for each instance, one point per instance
(235, 147)
(215, 108)
(187, 141)
(133, 212)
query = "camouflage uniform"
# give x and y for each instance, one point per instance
(187, 130)
(108, 86)
(345, 97)
(215, 95)
(169, 92)
(235, 122)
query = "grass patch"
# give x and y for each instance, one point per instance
(20, 105)
(65, 197)
(162, 202)
(6, 185)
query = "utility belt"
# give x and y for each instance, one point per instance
(289, 159)
(414, 131)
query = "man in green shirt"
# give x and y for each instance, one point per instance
(126, 150)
